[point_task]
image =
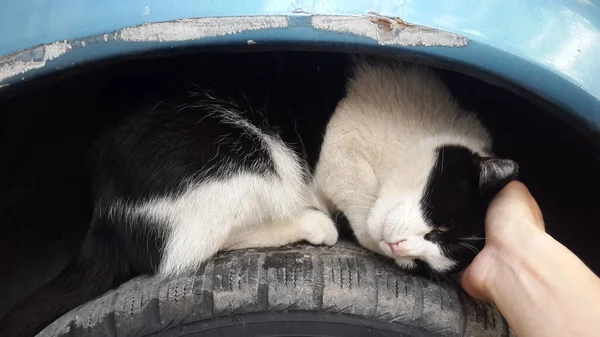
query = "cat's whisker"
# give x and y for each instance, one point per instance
(471, 247)
(446, 278)
(411, 209)
(472, 239)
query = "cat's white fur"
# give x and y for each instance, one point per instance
(376, 157)
(246, 210)
(379, 150)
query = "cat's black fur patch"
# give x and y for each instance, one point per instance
(457, 198)
(189, 140)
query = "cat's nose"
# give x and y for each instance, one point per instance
(399, 248)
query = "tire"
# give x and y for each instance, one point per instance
(296, 290)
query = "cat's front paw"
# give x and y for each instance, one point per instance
(318, 228)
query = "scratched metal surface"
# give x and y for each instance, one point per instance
(550, 48)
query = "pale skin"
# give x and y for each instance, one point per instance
(540, 287)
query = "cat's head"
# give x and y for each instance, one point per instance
(438, 224)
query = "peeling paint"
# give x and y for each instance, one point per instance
(384, 30)
(388, 30)
(21, 62)
(193, 29)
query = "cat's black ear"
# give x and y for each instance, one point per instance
(495, 173)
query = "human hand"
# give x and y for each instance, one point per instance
(513, 223)
(539, 286)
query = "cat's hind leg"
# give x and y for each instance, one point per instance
(201, 220)
(263, 184)
(244, 210)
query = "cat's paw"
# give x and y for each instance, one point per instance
(318, 228)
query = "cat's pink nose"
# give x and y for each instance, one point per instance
(399, 248)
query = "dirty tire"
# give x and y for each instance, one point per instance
(296, 290)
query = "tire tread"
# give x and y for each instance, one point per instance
(340, 280)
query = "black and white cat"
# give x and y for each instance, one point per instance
(410, 169)
(228, 169)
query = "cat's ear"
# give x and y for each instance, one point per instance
(495, 173)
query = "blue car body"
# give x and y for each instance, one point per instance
(550, 49)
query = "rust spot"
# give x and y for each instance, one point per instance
(403, 23)
(388, 23)
(388, 30)
(383, 23)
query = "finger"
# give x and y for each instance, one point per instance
(518, 190)
(515, 202)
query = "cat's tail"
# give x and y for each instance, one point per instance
(102, 265)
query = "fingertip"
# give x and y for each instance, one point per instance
(515, 188)
(515, 191)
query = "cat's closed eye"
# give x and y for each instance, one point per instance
(437, 233)
(442, 229)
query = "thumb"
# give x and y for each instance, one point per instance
(475, 277)
(468, 283)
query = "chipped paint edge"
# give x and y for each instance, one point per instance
(23, 61)
(388, 30)
(384, 30)
(35, 58)
(199, 28)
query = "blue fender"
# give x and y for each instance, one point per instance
(548, 48)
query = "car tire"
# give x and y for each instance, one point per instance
(298, 290)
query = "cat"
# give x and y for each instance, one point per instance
(410, 169)
(222, 169)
